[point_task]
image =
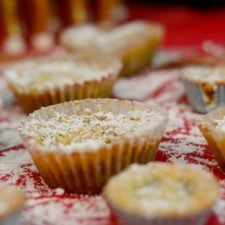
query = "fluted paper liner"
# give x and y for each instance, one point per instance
(215, 138)
(31, 98)
(87, 171)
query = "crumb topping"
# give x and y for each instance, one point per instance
(89, 130)
(163, 189)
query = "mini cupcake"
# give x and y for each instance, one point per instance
(134, 43)
(204, 86)
(78, 145)
(11, 202)
(162, 194)
(55, 79)
(212, 126)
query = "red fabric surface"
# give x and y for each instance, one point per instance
(185, 26)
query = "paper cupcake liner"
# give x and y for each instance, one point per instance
(216, 140)
(32, 100)
(131, 219)
(88, 171)
(198, 99)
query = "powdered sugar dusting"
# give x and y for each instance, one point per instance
(8, 135)
(145, 85)
(17, 169)
(90, 130)
(66, 211)
(53, 74)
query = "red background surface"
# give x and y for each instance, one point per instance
(185, 26)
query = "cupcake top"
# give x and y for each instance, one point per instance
(215, 121)
(84, 36)
(113, 40)
(11, 200)
(219, 124)
(205, 74)
(162, 190)
(56, 71)
(88, 130)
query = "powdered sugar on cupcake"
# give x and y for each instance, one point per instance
(90, 130)
(205, 74)
(56, 73)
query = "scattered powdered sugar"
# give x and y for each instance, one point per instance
(8, 135)
(66, 211)
(90, 130)
(17, 168)
(150, 83)
(182, 143)
(59, 191)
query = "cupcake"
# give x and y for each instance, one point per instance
(11, 202)
(51, 80)
(212, 126)
(78, 145)
(134, 43)
(204, 86)
(162, 194)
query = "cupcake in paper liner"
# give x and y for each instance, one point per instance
(162, 194)
(204, 86)
(78, 145)
(212, 126)
(11, 202)
(55, 79)
(134, 43)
